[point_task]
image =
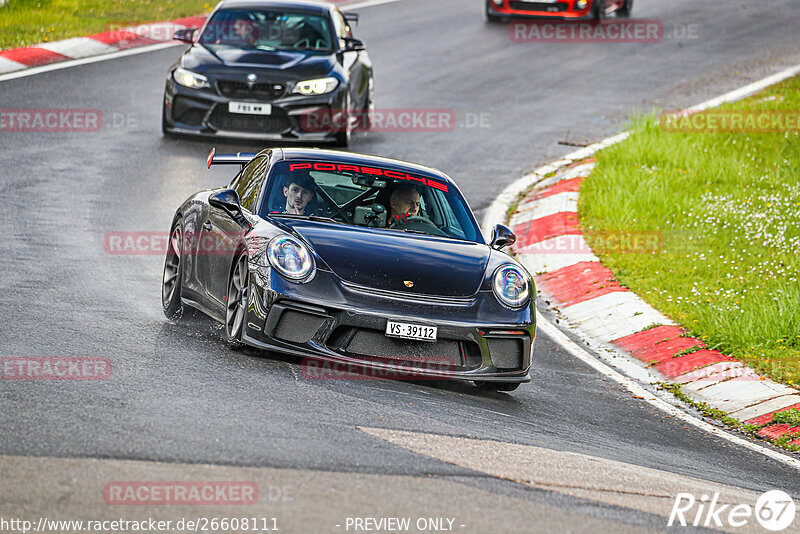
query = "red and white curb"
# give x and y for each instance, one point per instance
(610, 317)
(587, 295)
(94, 45)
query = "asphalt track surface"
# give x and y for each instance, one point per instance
(178, 395)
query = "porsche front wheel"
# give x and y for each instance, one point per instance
(173, 273)
(236, 300)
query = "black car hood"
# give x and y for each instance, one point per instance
(285, 63)
(387, 259)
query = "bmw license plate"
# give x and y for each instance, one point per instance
(411, 331)
(249, 109)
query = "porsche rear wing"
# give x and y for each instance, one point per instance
(240, 158)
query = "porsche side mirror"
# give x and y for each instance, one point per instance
(353, 45)
(228, 201)
(502, 237)
(186, 35)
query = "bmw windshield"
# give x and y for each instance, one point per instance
(259, 29)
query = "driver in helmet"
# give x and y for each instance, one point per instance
(403, 203)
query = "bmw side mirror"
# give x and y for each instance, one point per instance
(353, 45)
(502, 237)
(227, 200)
(186, 35)
(351, 17)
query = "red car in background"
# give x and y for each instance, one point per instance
(503, 10)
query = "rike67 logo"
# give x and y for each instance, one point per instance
(774, 510)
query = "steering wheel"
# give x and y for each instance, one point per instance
(418, 222)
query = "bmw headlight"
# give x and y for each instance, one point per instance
(290, 258)
(190, 79)
(315, 87)
(511, 286)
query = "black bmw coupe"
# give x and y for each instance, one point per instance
(350, 259)
(271, 69)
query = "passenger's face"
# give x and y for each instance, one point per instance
(297, 198)
(407, 203)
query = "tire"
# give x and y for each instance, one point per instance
(342, 139)
(497, 386)
(369, 106)
(171, 282)
(599, 9)
(626, 9)
(491, 18)
(236, 302)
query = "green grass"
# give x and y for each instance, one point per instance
(28, 22)
(728, 208)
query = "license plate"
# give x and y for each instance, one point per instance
(411, 331)
(249, 109)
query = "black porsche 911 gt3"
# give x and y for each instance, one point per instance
(271, 69)
(355, 259)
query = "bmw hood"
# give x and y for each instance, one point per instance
(397, 261)
(286, 64)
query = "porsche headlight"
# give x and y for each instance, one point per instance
(315, 87)
(290, 258)
(511, 286)
(190, 79)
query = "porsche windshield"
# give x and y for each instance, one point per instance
(267, 30)
(368, 196)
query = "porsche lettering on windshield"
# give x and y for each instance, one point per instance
(371, 171)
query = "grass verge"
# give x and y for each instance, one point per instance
(727, 208)
(29, 22)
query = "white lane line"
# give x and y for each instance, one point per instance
(628, 383)
(747, 90)
(144, 49)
